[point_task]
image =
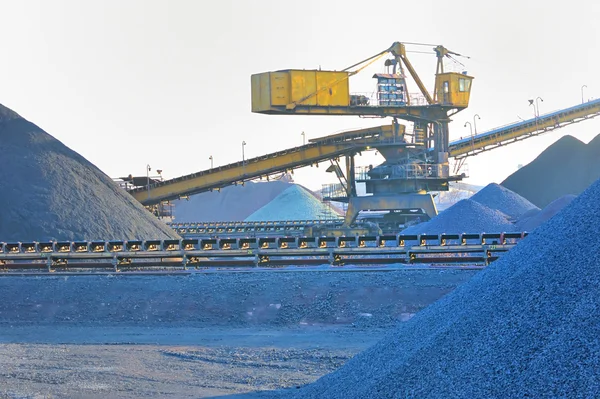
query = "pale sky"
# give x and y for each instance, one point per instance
(167, 83)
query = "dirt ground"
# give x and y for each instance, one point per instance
(197, 337)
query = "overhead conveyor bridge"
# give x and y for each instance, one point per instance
(318, 150)
(469, 146)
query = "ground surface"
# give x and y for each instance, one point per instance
(198, 336)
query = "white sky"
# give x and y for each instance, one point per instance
(167, 83)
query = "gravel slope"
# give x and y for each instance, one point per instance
(49, 192)
(568, 166)
(533, 221)
(502, 199)
(527, 326)
(466, 216)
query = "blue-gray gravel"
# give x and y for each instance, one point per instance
(50, 192)
(527, 326)
(466, 216)
(494, 196)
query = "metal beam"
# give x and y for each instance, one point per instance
(322, 150)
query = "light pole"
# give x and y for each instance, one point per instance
(470, 127)
(211, 161)
(148, 169)
(304, 137)
(582, 87)
(535, 114)
(475, 123)
(243, 156)
(538, 106)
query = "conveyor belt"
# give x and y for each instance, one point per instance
(316, 151)
(330, 147)
(522, 130)
(254, 252)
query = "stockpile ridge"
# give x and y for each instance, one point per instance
(533, 221)
(526, 326)
(466, 216)
(568, 166)
(50, 192)
(494, 196)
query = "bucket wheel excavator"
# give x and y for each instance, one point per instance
(416, 163)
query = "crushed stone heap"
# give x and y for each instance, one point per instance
(568, 166)
(466, 216)
(533, 221)
(49, 192)
(494, 196)
(526, 326)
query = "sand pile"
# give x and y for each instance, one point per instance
(49, 192)
(527, 326)
(466, 216)
(275, 200)
(294, 203)
(532, 221)
(233, 203)
(568, 166)
(502, 199)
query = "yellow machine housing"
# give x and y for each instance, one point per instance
(453, 89)
(299, 87)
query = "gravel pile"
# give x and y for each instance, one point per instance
(466, 216)
(527, 326)
(49, 192)
(502, 199)
(568, 166)
(531, 222)
(295, 203)
(233, 203)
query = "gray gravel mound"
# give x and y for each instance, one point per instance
(466, 216)
(49, 192)
(533, 221)
(494, 196)
(568, 166)
(527, 326)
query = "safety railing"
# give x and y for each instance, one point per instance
(371, 99)
(334, 190)
(406, 171)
